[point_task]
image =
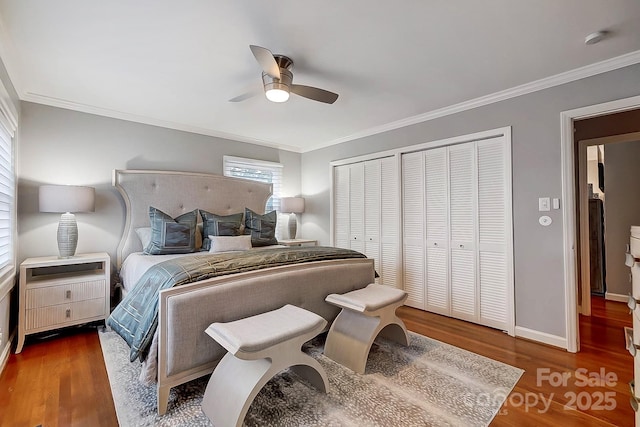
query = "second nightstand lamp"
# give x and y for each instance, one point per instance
(66, 199)
(293, 206)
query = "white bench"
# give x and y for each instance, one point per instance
(259, 347)
(366, 313)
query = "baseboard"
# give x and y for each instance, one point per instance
(6, 351)
(542, 337)
(615, 297)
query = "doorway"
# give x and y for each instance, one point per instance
(571, 213)
(605, 223)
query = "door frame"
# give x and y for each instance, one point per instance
(568, 215)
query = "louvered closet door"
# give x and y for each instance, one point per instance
(437, 230)
(462, 214)
(413, 228)
(372, 196)
(389, 222)
(341, 207)
(492, 234)
(356, 206)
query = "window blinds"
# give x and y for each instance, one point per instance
(7, 188)
(257, 170)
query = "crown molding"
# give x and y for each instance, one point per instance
(618, 62)
(122, 115)
(535, 86)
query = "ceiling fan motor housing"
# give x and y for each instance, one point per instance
(283, 83)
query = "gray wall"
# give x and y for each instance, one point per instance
(622, 210)
(59, 146)
(535, 119)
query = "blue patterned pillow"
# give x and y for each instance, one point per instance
(219, 225)
(171, 236)
(261, 227)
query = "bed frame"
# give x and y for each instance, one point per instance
(185, 352)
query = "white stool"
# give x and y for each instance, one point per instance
(366, 313)
(259, 347)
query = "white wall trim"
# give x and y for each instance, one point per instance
(6, 351)
(607, 65)
(511, 292)
(492, 133)
(616, 297)
(7, 283)
(568, 213)
(542, 337)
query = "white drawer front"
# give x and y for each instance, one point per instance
(635, 280)
(65, 313)
(634, 246)
(60, 294)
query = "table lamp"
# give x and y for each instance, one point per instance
(293, 206)
(67, 199)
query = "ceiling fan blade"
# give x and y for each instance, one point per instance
(245, 96)
(315, 93)
(266, 60)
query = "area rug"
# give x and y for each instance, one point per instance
(429, 383)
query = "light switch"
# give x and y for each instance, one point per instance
(544, 204)
(556, 203)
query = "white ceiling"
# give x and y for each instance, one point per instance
(176, 63)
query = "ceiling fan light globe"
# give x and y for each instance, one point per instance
(277, 95)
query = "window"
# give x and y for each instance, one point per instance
(257, 170)
(8, 126)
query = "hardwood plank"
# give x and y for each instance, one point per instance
(62, 380)
(59, 380)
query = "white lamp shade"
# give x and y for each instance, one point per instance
(292, 204)
(66, 198)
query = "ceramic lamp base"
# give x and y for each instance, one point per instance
(293, 225)
(67, 235)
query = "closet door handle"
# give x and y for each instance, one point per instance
(68, 294)
(462, 246)
(68, 313)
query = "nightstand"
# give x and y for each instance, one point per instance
(59, 292)
(298, 242)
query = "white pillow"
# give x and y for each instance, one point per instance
(144, 233)
(230, 243)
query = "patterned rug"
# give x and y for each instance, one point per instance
(429, 383)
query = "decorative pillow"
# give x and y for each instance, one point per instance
(262, 228)
(219, 225)
(229, 243)
(144, 233)
(171, 236)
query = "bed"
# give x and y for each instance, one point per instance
(182, 349)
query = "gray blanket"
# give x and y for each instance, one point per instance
(135, 319)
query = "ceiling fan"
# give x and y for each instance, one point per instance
(277, 80)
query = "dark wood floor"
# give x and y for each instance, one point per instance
(62, 381)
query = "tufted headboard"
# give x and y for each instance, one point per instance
(178, 192)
